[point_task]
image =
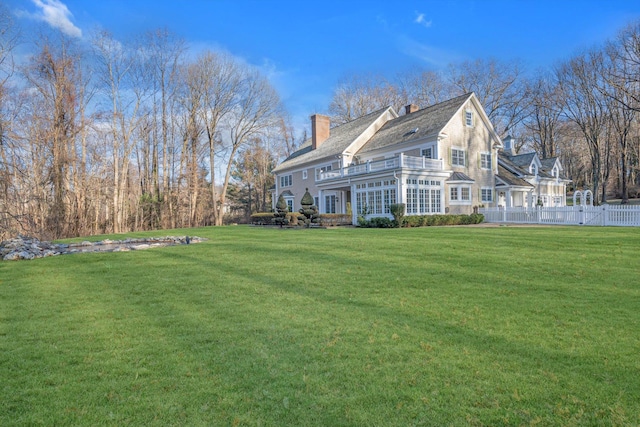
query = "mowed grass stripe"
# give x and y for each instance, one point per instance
(433, 326)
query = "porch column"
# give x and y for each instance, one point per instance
(354, 213)
(320, 202)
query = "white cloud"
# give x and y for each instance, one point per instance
(420, 19)
(56, 14)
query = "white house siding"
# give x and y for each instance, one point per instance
(474, 140)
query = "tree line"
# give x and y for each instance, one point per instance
(102, 135)
(107, 136)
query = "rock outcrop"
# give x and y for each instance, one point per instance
(23, 247)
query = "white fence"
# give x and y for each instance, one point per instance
(619, 215)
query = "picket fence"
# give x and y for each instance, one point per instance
(614, 215)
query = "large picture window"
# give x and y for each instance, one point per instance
(374, 198)
(423, 196)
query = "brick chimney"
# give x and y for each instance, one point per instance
(411, 108)
(319, 130)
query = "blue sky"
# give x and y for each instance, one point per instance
(305, 47)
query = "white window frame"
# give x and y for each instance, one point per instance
(455, 159)
(423, 196)
(485, 161)
(304, 174)
(468, 118)
(484, 191)
(459, 190)
(428, 152)
(330, 203)
(290, 203)
(321, 169)
(286, 181)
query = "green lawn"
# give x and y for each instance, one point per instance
(269, 327)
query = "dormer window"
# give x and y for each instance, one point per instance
(468, 117)
(555, 172)
(534, 169)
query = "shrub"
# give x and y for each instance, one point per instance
(397, 210)
(282, 215)
(434, 220)
(262, 218)
(335, 219)
(377, 222)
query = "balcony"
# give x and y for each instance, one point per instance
(398, 162)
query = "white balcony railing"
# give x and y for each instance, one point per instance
(399, 162)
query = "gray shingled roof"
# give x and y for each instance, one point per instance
(339, 139)
(522, 160)
(510, 178)
(428, 121)
(459, 176)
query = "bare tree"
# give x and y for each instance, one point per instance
(256, 111)
(544, 114)
(118, 74)
(9, 36)
(192, 96)
(587, 107)
(625, 78)
(425, 87)
(55, 75)
(499, 87)
(359, 95)
(163, 51)
(222, 76)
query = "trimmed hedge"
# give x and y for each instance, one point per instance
(266, 218)
(422, 221)
(262, 218)
(335, 219)
(430, 220)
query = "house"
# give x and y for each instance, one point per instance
(436, 160)
(525, 180)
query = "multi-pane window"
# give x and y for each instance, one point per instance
(458, 157)
(321, 170)
(485, 160)
(286, 181)
(486, 194)
(465, 194)
(375, 197)
(427, 152)
(389, 198)
(330, 204)
(459, 193)
(290, 204)
(468, 117)
(423, 196)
